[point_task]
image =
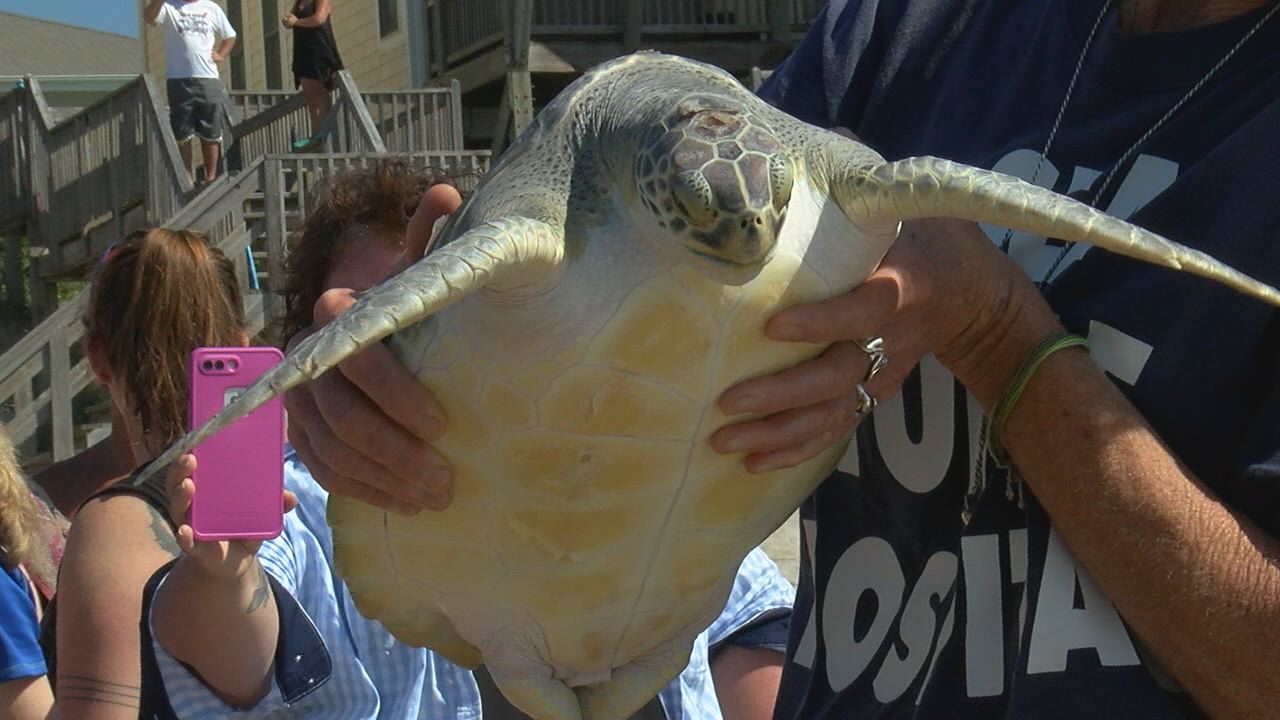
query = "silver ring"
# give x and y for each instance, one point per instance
(866, 401)
(876, 359)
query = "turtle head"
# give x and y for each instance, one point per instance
(717, 179)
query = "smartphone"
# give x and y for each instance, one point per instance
(239, 473)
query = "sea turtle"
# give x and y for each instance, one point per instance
(609, 278)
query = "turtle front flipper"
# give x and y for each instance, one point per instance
(931, 187)
(514, 255)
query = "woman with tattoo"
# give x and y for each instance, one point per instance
(24, 687)
(156, 296)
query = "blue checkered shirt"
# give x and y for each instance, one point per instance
(375, 676)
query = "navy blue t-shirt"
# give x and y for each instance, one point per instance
(903, 612)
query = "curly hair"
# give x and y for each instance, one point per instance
(379, 198)
(17, 508)
(158, 295)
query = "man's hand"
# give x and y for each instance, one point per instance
(289, 20)
(943, 288)
(223, 51)
(364, 429)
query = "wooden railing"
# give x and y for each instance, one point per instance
(252, 102)
(15, 186)
(417, 121)
(44, 373)
(268, 123)
(272, 120)
(353, 130)
(87, 172)
(470, 26)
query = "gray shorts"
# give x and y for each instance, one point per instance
(195, 108)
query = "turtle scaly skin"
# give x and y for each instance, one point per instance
(585, 308)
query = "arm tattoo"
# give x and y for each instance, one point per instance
(92, 690)
(163, 534)
(261, 593)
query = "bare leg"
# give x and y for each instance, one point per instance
(210, 151)
(188, 159)
(317, 97)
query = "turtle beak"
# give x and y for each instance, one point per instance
(745, 239)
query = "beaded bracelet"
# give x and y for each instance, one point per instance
(1013, 391)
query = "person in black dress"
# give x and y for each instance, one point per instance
(315, 60)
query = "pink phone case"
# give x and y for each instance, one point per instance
(239, 470)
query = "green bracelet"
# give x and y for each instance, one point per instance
(1013, 391)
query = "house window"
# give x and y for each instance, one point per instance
(271, 43)
(235, 13)
(388, 17)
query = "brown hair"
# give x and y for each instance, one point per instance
(158, 295)
(17, 508)
(378, 199)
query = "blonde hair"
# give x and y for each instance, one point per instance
(17, 507)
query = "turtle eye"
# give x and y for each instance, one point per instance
(781, 179)
(693, 194)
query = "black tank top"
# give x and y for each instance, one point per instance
(314, 47)
(153, 702)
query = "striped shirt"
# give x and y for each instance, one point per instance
(375, 676)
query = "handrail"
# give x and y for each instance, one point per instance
(358, 121)
(355, 125)
(266, 117)
(271, 129)
(88, 170)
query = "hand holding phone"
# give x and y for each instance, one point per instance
(239, 476)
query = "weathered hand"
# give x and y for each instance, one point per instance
(226, 559)
(288, 20)
(942, 289)
(364, 429)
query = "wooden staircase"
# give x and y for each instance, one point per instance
(127, 174)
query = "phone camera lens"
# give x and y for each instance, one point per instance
(206, 366)
(219, 365)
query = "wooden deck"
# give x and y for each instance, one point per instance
(570, 36)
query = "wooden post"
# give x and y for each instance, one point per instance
(455, 116)
(277, 229)
(517, 102)
(44, 295)
(779, 20)
(437, 41)
(60, 395)
(632, 25)
(14, 286)
(519, 85)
